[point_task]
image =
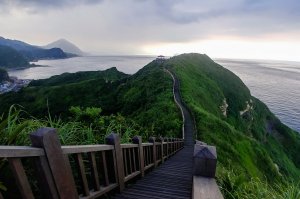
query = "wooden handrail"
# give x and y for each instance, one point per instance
(205, 162)
(111, 165)
(20, 151)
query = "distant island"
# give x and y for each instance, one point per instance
(66, 46)
(16, 54)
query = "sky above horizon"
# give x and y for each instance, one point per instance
(247, 29)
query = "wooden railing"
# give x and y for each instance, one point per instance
(84, 171)
(204, 171)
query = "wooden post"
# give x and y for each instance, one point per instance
(172, 146)
(114, 139)
(47, 139)
(152, 140)
(161, 140)
(138, 140)
(45, 179)
(21, 178)
(205, 160)
(167, 141)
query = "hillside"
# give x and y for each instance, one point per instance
(66, 46)
(141, 97)
(251, 143)
(31, 52)
(3, 75)
(10, 58)
(257, 154)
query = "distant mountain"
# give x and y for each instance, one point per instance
(11, 58)
(31, 52)
(66, 46)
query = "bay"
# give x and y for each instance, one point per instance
(126, 64)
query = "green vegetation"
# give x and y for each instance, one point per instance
(145, 97)
(255, 145)
(3, 75)
(85, 106)
(10, 58)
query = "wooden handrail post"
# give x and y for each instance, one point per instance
(114, 139)
(205, 160)
(167, 140)
(172, 146)
(161, 140)
(138, 140)
(152, 140)
(47, 139)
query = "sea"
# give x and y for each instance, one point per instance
(276, 83)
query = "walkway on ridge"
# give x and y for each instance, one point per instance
(173, 179)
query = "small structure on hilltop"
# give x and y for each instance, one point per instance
(160, 59)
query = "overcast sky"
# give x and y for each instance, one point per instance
(263, 29)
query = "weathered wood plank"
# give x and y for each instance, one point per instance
(138, 140)
(130, 161)
(94, 170)
(205, 188)
(82, 174)
(21, 178)
(106, 180)
(123, 146)
(125, 162)
(85, 148)
(132, 175)
(134, 162)
(101, 192)
(45, 179)
(47, 139)
(114, 139)
(20, 151)
(147, 144)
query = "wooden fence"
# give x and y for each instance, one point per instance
(84, 171)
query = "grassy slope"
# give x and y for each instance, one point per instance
(10, 58)
(145, 97)
(244, 145)
(3, 75)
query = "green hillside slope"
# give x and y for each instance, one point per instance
(145, 97)
(252, 144)
(10, 58)
(3, 75)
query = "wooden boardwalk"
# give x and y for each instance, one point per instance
(173, 179)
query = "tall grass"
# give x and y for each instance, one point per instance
(87, 126)
(237, 186)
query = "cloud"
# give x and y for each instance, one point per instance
(128, 25)
(37, 5)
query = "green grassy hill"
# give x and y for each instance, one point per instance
(10, 58)
(254, 144)
(257, 154)
(3, 75)
(146, 97)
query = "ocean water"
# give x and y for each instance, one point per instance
(126, 64)
(276, 83)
